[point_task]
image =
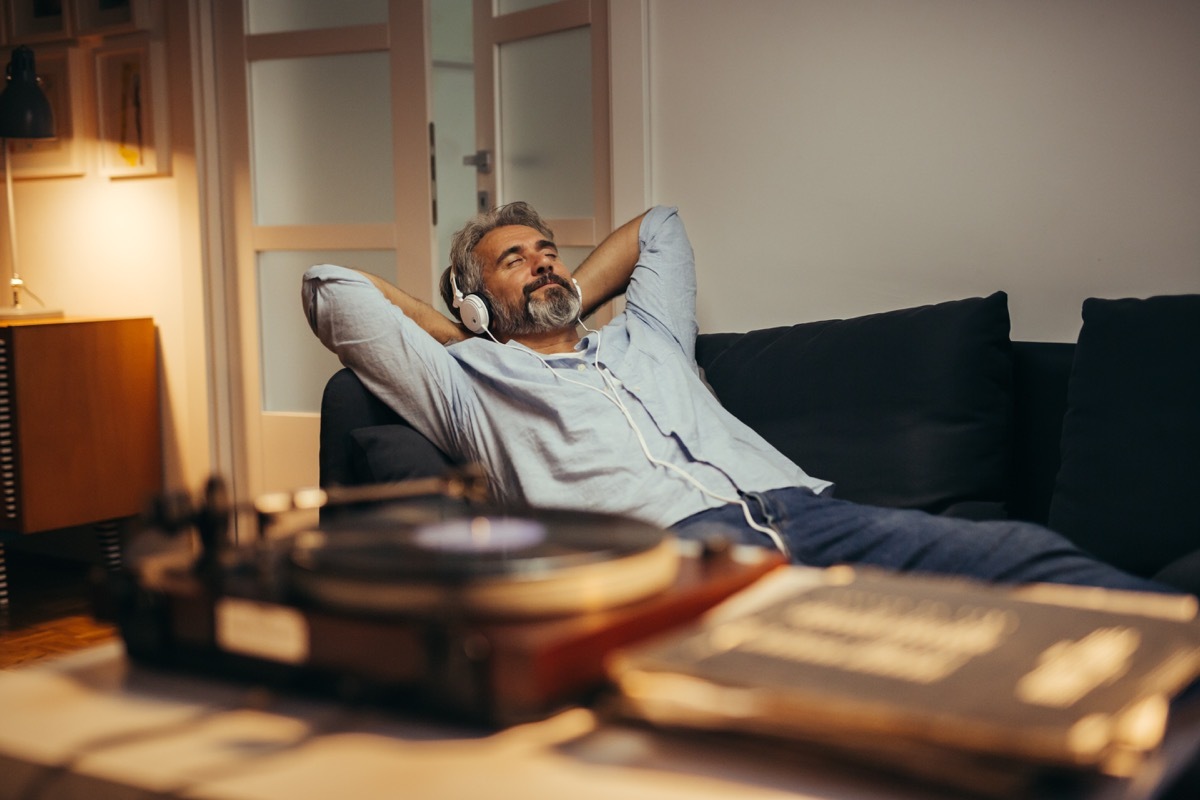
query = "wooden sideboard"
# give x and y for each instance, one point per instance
(80, 435)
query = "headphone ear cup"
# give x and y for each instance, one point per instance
(473, 311)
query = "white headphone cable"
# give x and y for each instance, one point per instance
(616, 400)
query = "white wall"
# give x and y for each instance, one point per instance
(839, 157)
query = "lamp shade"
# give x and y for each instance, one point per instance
(25, 112)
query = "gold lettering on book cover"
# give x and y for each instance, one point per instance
(1067, 670)
(919, 641)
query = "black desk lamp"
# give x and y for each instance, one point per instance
(25, 113)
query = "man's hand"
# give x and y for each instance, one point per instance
(438, 325)
(605, 273)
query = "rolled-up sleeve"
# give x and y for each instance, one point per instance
(662, 289)
(398, 361)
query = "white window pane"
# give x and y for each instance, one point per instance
(546, 122)
(322, 140)
(295, 365)
(270, 16)
(454, 117)
(450, 26)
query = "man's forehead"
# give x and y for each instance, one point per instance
(505, 237)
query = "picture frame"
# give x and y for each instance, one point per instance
(59, 70)
(131, 107)
(30, 21)
(106, 17)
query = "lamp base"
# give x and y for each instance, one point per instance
(10, 313)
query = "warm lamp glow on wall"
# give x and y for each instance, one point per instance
(25, 113)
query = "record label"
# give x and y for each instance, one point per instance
(481, 535)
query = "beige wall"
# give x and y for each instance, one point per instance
(94, 246)
(838, 157)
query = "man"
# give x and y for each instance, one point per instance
(618, 420)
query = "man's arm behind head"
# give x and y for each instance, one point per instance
(432, 321)
(605, 273)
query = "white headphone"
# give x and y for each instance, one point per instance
(473, 308)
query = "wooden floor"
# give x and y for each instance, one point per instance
(49, 609)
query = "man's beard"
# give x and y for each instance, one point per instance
(557, 307)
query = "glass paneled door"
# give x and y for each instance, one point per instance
(541, 71)
(324, 142)
(329, 163)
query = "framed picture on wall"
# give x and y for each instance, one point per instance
(59, 70)
(104, 17)
(132, 108)
(37, 20)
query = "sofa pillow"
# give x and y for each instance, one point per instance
(364, 441)
(1126, 490)
(908, 408)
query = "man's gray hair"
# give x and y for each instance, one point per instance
(466, 266)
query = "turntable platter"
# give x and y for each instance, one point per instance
(543, 563)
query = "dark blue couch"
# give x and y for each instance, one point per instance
(935, 408)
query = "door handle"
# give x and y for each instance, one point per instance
(481, 161)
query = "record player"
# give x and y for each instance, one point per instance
(419, 594)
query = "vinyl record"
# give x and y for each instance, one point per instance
(403, 559)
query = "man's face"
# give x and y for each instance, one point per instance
(528, 286)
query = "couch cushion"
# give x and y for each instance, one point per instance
(1126, 490)
(908, 408)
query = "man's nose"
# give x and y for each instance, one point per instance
(542, 265)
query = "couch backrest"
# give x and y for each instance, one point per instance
(1041, 373)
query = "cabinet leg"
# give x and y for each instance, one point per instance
(109, 536)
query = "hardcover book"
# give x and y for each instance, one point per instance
(953, 680)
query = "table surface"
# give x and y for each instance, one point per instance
(93, 725)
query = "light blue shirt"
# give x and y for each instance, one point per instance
(547, 429)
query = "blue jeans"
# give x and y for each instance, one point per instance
(822, 531)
